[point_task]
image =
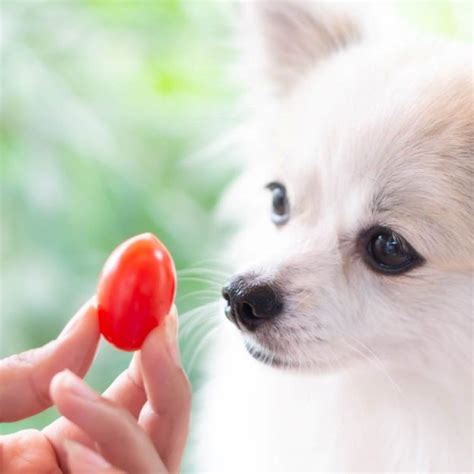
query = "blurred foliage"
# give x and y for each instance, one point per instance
(107, 107)
(442, 17)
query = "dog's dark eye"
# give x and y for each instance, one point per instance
(280, 205)
(388, 252)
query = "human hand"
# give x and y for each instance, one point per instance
(139, 425)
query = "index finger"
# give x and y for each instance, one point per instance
(25, 377)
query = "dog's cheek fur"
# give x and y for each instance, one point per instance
(335, 316)
(416, 144)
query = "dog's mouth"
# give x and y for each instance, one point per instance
(273, 360)
(269, 359)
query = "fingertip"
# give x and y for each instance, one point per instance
(163, 340)
(86, 315)
(26, 378)
(154, 341)
(171, 332)
(172, 324)
(77, 344)
(57, 383)
(66, 384)
(173, 311)
(56, 380)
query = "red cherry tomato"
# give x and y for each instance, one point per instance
(136, 290)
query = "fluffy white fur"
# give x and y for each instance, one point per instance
(378, 369)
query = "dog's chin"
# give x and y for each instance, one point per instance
(267, 358)
(276, 361)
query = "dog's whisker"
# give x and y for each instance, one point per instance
(199, 279)
(192, 339)
(208, 293)
(218, 275)
(197, 321)
(195, 316)
(192, 360)
(219, 265)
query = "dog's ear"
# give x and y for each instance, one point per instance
(288, 37)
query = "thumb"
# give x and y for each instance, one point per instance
(25, 377)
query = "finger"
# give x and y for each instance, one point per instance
(27, 452)
(60, 430)
(127, 391)
(166, 415)
(83, 460)
(121, 441)
(25, 378)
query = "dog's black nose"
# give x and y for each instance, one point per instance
(249, 305)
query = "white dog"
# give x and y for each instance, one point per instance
(353, 284)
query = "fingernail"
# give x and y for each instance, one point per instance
(75, 385)
(171, 333)
(84, 457)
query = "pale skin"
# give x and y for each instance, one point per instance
(138, 425)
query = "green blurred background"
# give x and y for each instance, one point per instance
(108, 109)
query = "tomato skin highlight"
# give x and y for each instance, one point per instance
(136, 290)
